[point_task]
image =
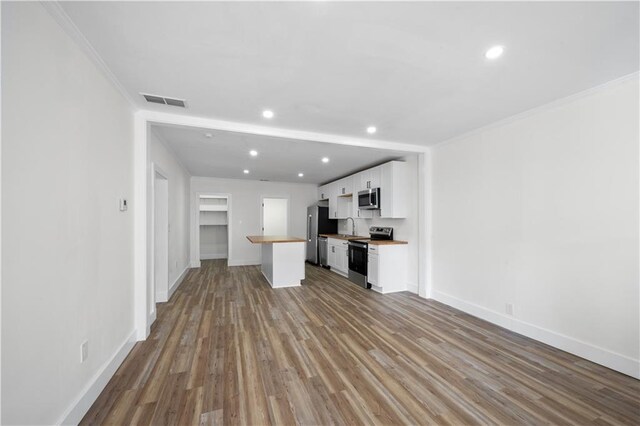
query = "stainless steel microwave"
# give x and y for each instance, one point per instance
(369, 199)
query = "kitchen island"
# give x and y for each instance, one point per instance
(282, 259)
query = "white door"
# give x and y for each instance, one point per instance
(275, 216)
(160, 239)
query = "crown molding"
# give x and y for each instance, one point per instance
(60, 15)
(542, 108)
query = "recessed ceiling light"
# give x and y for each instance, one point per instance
(208, 135)
(300, 174)
(253, 152)
(325, 159)
(371, 130)
(267, 113)
(495, 52)
(246, 172)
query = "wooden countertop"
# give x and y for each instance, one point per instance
(344, 237)
(367, 239)
(386, 242)
(270, 239)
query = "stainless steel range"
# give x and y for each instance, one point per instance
(358, 258)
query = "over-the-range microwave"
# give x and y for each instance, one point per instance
(369, 199)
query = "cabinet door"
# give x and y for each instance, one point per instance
(394, 186)
(323, 192)
(363, 180)
(333, 200)
(374, 177)
(341, 259)
(331, 256)
(345, 258)
(372, 271)
(346, 186)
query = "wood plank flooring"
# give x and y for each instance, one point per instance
(228, 349)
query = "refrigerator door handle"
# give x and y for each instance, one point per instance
(309, 227)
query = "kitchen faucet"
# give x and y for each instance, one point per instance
(353, 225)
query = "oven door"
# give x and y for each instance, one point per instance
(358, 257)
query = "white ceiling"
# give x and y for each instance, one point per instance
(226, 154)
(415, 70)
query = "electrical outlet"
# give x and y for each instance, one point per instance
(84, 351)
(509, 309)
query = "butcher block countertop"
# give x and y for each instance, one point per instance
(270, 239)
(386, 242)
(344, 237)
(368, 240)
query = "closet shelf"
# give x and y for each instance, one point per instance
(213, 208)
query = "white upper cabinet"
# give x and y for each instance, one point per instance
(394, 194)
(368, 179)
(332, 192)
(391, 178)
(345, 186)
(323, 192)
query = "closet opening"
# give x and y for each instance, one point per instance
(213, 216)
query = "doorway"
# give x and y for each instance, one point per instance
(160, 237)
(213, 226)
(275, 216)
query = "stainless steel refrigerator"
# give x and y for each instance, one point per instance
(318, 222)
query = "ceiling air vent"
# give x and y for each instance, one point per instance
(162, 100)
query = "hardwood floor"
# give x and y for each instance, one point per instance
(229, 349)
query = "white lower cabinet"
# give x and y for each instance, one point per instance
(338, 255)
(372, 268)
(387, 267)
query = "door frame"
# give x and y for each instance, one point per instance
(282, 197)
(155, 169)
(195, 203)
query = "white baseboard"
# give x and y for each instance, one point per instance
(178, 281)
(195, 264)
(243, 262)
(161, 297)
(213, 256)
(612, 360)
(76, 411)
(412, 287)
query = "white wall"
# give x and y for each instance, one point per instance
(542, 212)
(179, 182)
(67, 250)
(246, 197)
(403, 229)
